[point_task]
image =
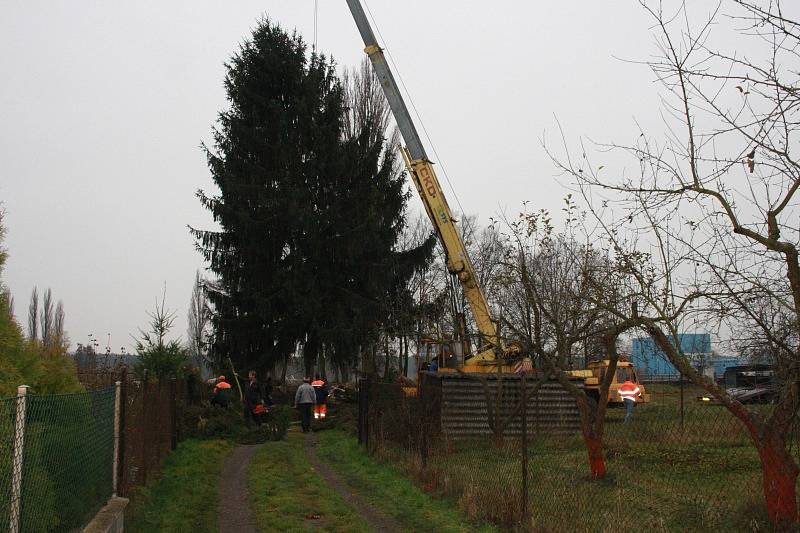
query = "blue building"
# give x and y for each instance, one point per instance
(653, 363)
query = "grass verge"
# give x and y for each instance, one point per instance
(287, 495)
(389, 490)
(184, 497)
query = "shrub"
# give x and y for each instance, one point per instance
(210, 422)
(278, 420)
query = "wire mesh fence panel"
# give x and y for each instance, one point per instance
(149, 429)
(676, 464)
(58, 472)
(695, 459)
(67, 459)
(484, 475)
(7, 439)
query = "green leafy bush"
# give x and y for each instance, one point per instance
(210, 422)
(205, 421)
(278, 420)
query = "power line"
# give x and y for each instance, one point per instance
(414, 107)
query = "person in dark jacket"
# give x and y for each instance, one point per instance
(254, 398)
(321, 392)
(304, 400)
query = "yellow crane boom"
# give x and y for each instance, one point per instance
(421, 170)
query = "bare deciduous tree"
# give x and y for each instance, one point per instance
(706, 222)
(557, 280)
(199, 318)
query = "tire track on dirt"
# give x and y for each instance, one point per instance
(234, 512)
(377, 520)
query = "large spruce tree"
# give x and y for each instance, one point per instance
(310, 206)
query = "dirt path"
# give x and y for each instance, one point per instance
(234, 511)
(377, 520)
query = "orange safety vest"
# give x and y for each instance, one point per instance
(628, 390)
(222, 385)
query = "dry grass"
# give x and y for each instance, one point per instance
(665, 473)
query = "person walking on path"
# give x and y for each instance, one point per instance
(629, 391)
(254, 398)
(304, 400)
(321, 391)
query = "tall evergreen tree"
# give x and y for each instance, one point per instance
(265, 145)
(311, 205)
(352, 269)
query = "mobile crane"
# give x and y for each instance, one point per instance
(492, 352)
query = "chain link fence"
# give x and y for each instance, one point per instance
(679, 464)
(62, 456)
(150, 430)
(57, 459)
(149, 420)
(7, 470)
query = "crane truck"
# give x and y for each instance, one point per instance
(493, 355)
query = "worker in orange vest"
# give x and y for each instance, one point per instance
(222, 391)
(629, 391)
(321, 390)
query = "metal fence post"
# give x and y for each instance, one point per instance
(144, 428)
(524, 450)
(173, 407)
(16, 468)
(123, 402)
(115, 465)
(681, 400)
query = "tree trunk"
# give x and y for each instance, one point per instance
(405, 357)
(400, 351)
(310, 352)
(597, 462)
(780, 481)
(386, 357)
(591, 425)
(322, 363)
(285, 367)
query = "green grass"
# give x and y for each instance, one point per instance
(666, 473)
(663, 475)
(184, 497)
(285, 490)
(386, 488)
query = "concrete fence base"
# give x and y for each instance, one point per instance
(109, 519)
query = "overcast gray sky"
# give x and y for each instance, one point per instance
(103, 106)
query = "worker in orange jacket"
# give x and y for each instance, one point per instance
(321, 390)
(629, 391)
(222, 392)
